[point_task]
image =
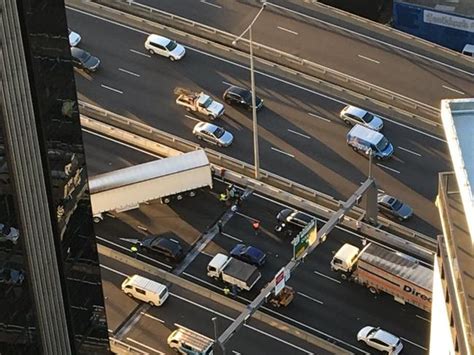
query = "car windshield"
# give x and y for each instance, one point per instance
(207, 103)
(397, 205)
(219, 132)
(171, 45)
(368, 117)
(382, 144)
(247, 96)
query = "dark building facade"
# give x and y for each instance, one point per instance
(51, 299)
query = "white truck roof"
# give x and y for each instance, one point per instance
(346, 253)
(148, 171)
(145, 284)
(235, 268)
(398, 264)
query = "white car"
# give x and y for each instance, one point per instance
(74, 38)
(352, 115)
(213, 134)
(380, 339)
(165, 47)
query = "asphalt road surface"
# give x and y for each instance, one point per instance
(301, 136)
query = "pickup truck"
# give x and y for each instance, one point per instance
(199, 102)
(233, 272)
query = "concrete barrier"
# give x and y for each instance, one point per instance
(221, 299)
(284, 190)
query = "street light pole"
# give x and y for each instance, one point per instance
(256, 156)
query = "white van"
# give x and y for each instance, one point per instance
(468, 50)
(145, 290)
(365, 140)
(187, 341)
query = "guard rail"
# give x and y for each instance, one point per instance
(310, 70)
(122, 348)
(165, 144)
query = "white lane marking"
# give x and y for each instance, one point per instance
(423, 318)
(388, 168)
(327, 277)
(122, 143)
(192, 118)
(409, 151)
(282, 152)
(321, 118)
(133, 50)
(245, 325)
(245, 216)
(211, 4)
(143, 256)
(145, 346)
(371, 38)
(300, 134)
(207, 254)
(111, 89)
(227, 83)
(310, 298)
(236, 352)
(412, 343)
(154, 318)
(369, 59)
(232, 237)
(287, 30)
(268, 75)
(455, 90)
(129, 72)
(113, 270)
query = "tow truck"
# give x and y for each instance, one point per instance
(199, 102)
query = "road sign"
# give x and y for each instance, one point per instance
(304, 239)
(279, 281)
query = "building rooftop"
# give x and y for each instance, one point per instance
(456, 7)
(456, 204)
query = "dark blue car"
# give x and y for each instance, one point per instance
(249, 254)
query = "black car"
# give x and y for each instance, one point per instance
(84, 60)
(290, 222)
(241, 97)
(11, 275)
(165, 247)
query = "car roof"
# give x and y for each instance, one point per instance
(387, 199)
(206, 126)
(386, 337)
(238, 90)
(356, 111)
(167, 243)
(159, 39)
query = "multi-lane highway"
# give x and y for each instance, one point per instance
(301, 136)
(336, 44)
(324, 305)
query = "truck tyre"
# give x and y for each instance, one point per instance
(373, 290)
(192, 193)
(188, 109)
(129, 295)
(344, 276)
(166, 200)
(96, 219)
(151, 303)
(179, 197)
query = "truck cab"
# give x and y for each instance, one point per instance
(216, 265)
(345, 259)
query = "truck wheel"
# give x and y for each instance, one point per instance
(192, 193)
(179, 197)
(151, 303)
(97, 219)
(344, 276)
(355, 149)
(188, 109)
(129, 295)
(166, 200)
(373, 290)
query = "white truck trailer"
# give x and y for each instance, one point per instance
(164, 179)
(381, 269)
(233, 272)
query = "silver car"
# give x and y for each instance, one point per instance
(380, 339)
(352, 115)
(393, 207)
(213, 134)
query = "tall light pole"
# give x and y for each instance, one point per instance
(252, 88)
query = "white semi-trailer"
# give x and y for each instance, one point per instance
(381, 269)
(164, 179)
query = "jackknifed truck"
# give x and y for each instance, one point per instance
(381, 269)
(164, 179)
(199, 102)
(233, 272)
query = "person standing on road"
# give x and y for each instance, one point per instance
(219, 226)
(226, 291)
(256, 226)
(134, 250)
